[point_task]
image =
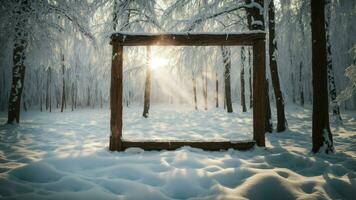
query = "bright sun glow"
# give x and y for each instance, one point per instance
(158, 62)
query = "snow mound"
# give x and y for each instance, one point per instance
(48, 158)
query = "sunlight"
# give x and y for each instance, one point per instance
(158, 62)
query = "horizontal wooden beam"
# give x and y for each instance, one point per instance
(186, 39)
(173, 145)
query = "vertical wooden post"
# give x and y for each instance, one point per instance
(259, 92)
(116, 98)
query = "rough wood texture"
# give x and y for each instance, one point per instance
(321, 133)
(173, 145)
(256, 39)
(116, 98)
(281, 119)
(186, 39)
(259, 93)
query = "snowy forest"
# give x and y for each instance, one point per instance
(266, 112)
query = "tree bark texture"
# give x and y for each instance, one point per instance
(226, 53)
(331, 80)
(321, 133)
(242, 79)
(18, 68)
(281, 119)
(147, 96)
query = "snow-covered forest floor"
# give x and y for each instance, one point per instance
(65, 156)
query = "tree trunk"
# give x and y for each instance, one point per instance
(24, 101)
(250, 75)
(195, 91)
(224, 99)
(18, 69)
(41, 109)
(268, 118)
(301, 90)
(242, 79)
(72, 101)
(88, 97)
(50, 89)
(226, 53)
(75, 95)
(331, 80)
(206, 88)
(281, 119)
(321, 132)
(293, 88)
(204, 84)
(63, 85)
(147, 96)
(47, 91)
(101, 99)
(58, 96)
(217, 90)
(39, 87)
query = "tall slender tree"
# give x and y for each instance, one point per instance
(226, 54)
(216, 90)
(19, 56)
(331, 80)
(281, 119)
(147, 96)
(63, 84)
(249, 76)
(268, 121)
(242, 79)
(204, 80)
(194, 81)
(321, 132)
(301, 84)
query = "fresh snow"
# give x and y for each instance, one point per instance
(65, 156)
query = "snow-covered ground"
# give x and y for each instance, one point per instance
(65, 156)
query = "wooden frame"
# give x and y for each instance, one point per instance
(255, 39)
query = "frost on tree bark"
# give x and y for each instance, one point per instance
(242, 79)
(63, 85)
(19, 55)
(226, 53)
(147, 96)
(321, 133)
(331, 80)
(281, 119)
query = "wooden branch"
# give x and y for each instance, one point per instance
(173, 145)
(186, 39)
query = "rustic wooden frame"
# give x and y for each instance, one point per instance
(254, 39)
